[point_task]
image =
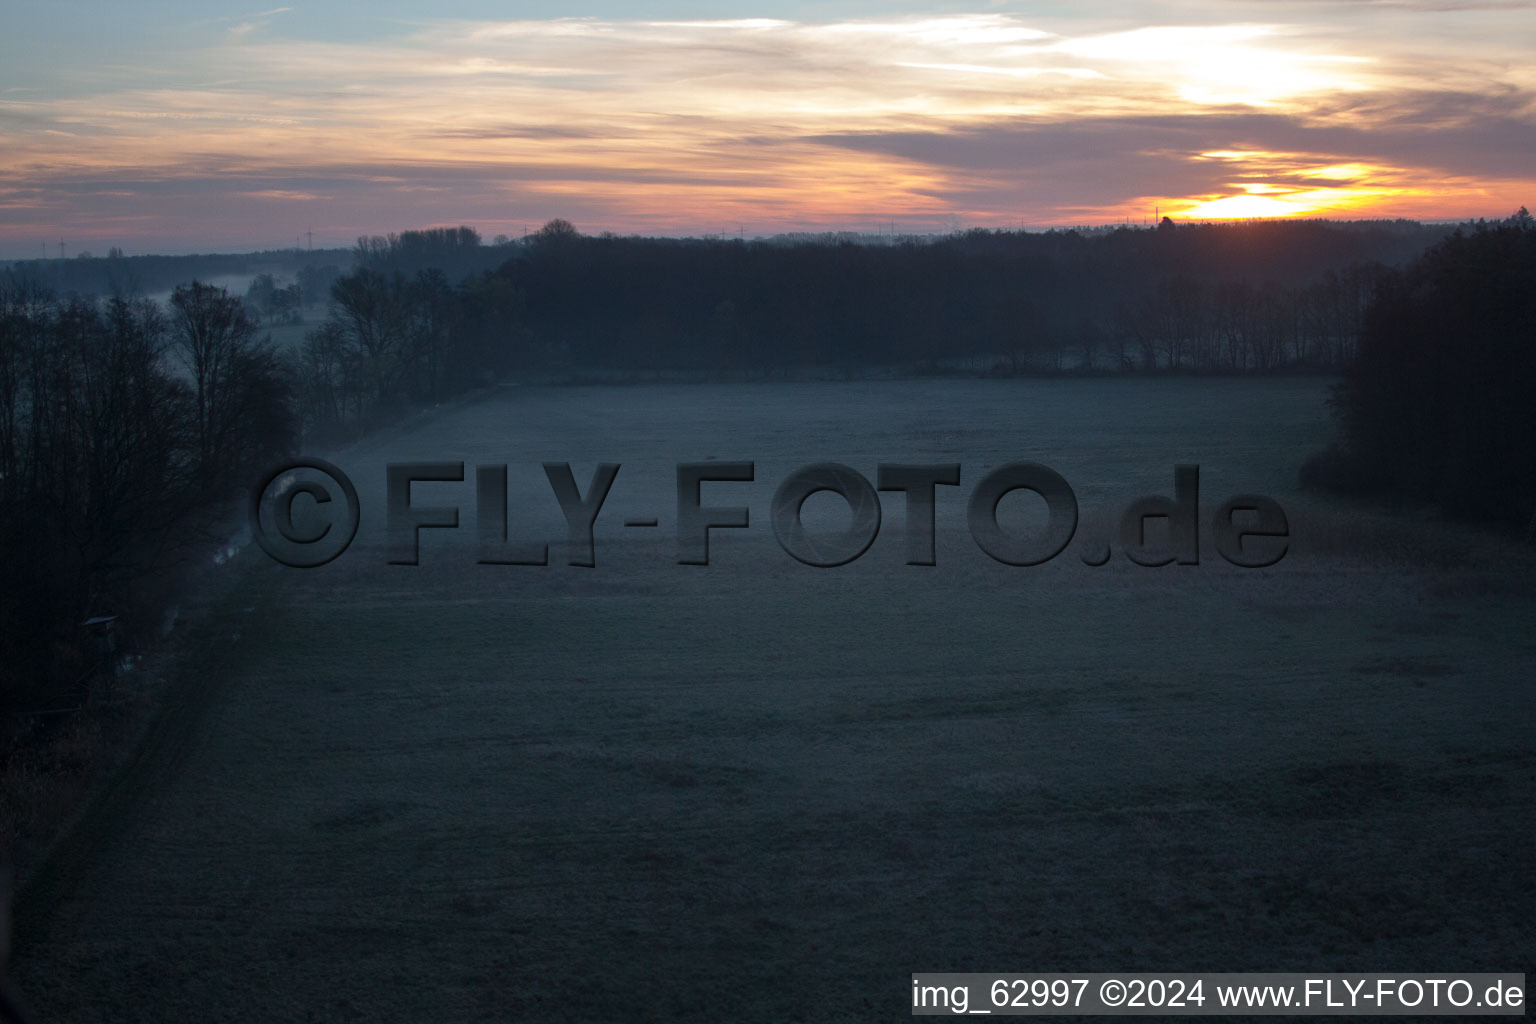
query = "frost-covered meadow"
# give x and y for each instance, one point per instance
(758, 790)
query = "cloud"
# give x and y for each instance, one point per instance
(1435, 133)
(283, 194)
(678, 125)
(254, 23)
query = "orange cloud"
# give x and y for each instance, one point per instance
(679, 126)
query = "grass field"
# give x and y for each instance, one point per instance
(762, 791)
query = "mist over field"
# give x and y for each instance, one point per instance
(758, 790)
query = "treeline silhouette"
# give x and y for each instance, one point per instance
(1439, 405)
(415, 323)
(1234, 297)
(125, 428)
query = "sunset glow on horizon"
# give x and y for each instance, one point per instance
(245, 129)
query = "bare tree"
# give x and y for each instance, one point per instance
(209, 327)
(239, 387)
(372, 312)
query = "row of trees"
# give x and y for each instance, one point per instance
(1236, 326)
(414, 322)
(1011, 303)
(276, 304)
(1439, 406)
(391, 342)
(456, 253)
(125, 428)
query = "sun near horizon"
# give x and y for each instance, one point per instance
(156, 130)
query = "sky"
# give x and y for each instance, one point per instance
(225, 126)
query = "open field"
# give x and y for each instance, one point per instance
(761, 791)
